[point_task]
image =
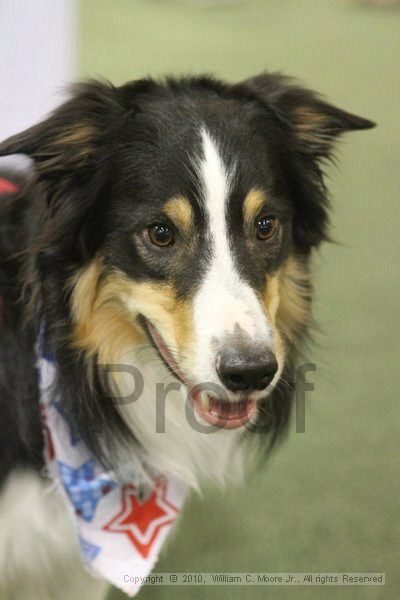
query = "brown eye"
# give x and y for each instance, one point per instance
(266, 227)
(161, 235)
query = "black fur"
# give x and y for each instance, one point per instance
(104, 164)
(21, 439)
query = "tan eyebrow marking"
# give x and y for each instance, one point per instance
(253, 202)
(180, 211)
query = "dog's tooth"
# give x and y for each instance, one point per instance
(205, 401)
(214, 413)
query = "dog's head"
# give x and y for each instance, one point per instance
(182, 215)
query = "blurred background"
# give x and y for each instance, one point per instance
(328, 500)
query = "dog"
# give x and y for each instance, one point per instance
(166, 231)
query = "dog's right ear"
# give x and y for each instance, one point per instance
(71, 140)
(78, 136)
(72, 151)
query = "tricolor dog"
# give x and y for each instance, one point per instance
(155, 289)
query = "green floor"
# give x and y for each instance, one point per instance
(328, 500)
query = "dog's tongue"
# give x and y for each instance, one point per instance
(229, 410)
(224, 413)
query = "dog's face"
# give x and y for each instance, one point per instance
(196, 236)
(208, 200)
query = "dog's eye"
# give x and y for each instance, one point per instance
(161, 234)
(266, 227)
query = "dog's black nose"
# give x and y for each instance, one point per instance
(239, 372)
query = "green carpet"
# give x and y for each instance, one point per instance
(327, 501)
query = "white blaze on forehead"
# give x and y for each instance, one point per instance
(224, 300)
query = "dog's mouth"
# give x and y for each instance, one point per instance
(223, 413)
(218, 412)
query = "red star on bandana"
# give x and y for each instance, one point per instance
(142, 521)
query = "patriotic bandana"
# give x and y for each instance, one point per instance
(121, 527)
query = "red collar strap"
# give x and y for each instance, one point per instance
(8, 187)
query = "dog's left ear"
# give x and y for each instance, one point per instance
(313, 126)
(315, 123)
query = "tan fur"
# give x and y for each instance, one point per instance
(272, 296)
(293, 315)
(271, 301)
(105, 306)
(159, 302)
(71, 146)
(252, 205)
(79, 137)
(287, 303)
(180, 211)
(311, 126)
(103, 325)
